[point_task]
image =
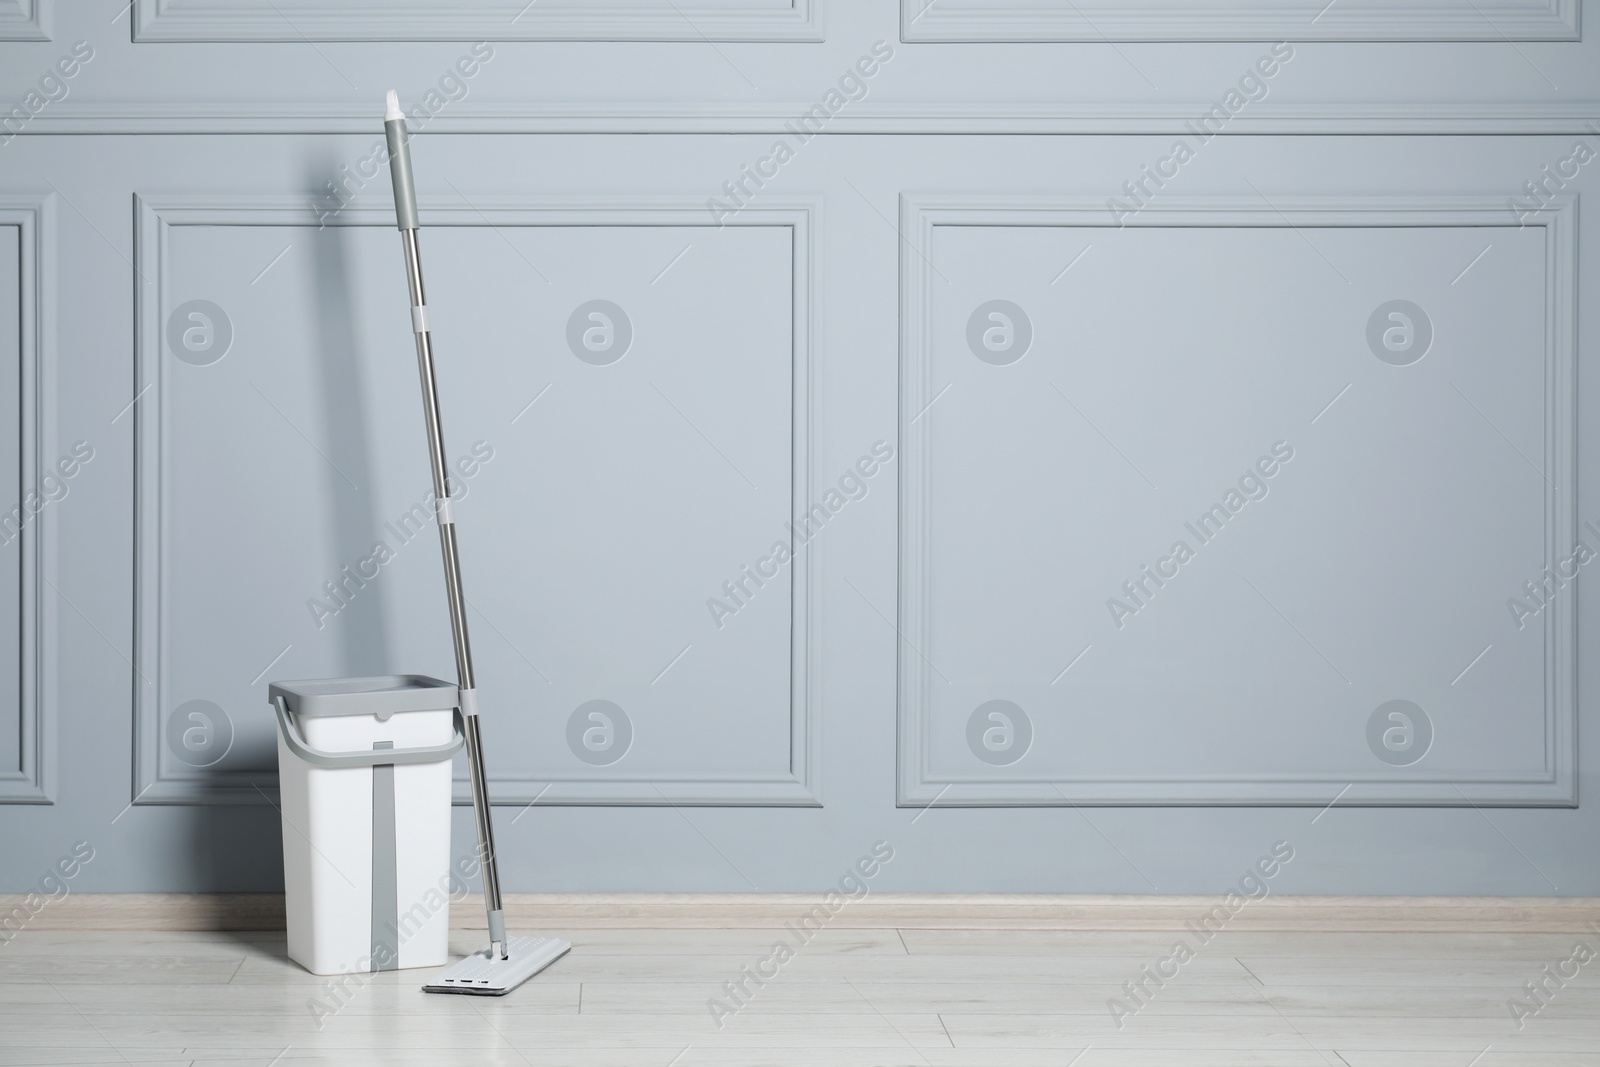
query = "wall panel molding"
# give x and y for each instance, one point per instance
(263, 21)
(25, 20)
(171, 117)
(1554, 786)
(156, 215)
(997, 20)
(33, 780)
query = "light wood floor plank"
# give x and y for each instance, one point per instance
(1368, 946)
(1275, 1032)
(1503, 973)
(850, 998)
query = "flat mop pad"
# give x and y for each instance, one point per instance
(483, 974)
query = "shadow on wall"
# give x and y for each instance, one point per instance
(238, 847)
(232, 843)
(362, 627)
(235, 848)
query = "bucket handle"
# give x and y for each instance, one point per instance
(386, 756)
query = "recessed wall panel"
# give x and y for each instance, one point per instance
(621, 423)
(11, 493)
(1238, 506)
(30, 505)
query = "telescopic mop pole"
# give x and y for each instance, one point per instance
(405, 207)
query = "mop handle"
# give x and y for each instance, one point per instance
(405, 209)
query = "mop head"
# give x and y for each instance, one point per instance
(482, 975)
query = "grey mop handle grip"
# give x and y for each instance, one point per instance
(405, 191)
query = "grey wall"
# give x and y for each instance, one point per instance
(989, 484)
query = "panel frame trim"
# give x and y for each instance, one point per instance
(25, 20)
(916, 786)
(690, 117)
(34, 780)
(156, 214)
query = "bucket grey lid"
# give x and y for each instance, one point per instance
(380, 697)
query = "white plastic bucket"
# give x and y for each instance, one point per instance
(364, 774)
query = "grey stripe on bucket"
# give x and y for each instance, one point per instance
(385, 869)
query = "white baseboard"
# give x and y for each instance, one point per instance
(980, 911)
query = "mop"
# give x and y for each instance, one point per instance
(507, 962)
